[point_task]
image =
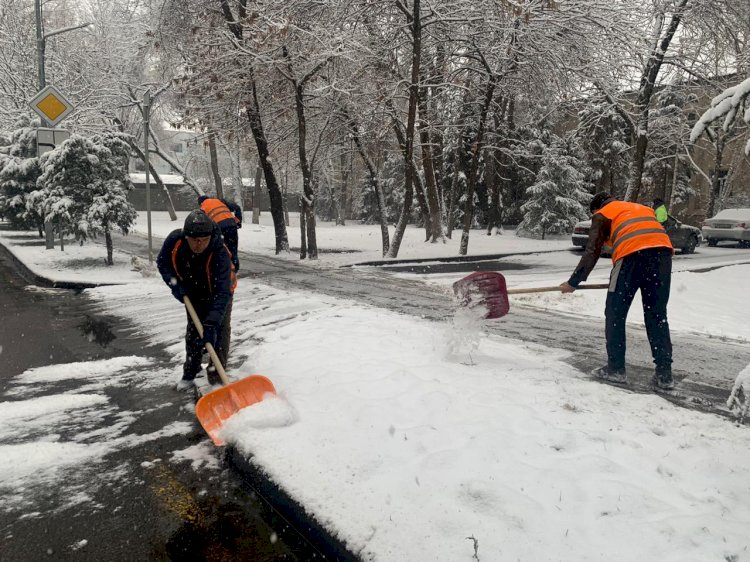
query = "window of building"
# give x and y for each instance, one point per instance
(176, 148)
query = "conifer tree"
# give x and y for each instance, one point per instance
(558, 196)
(19, 171)
(83, 188)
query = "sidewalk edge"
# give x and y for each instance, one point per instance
(34, 278)
(330, 546)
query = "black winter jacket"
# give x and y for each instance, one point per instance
(598, 235)
(207, 278)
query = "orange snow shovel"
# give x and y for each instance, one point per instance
(488, 289)
(214, 408)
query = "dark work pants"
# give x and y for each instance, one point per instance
(231, 240)
(650, 271)
(194, 345)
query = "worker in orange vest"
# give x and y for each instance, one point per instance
(228, 216)
(642, 258)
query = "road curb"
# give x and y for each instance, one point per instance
(452, 259)
(329, 546)
(34, 278)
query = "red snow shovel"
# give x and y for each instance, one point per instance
(487, 288)
(214, 408)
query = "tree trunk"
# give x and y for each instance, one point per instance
(639, 157)
(457, 169)
(490, 178)
(422, 200)
(645, 91)
(430, 184)
(214, 157)
(713, 194)
(416, 182)
(274, 194)
(669, 197)
(108, 242)
(285, 199)
(403, 220)
(256, 194)
(312, 241)
(252, 108)
(340, 198)
(474, 168)
(374, 182)
(237, 175)
(302, 230)
(308, 198)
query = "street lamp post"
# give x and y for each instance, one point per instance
(41, 39)
(40, 46)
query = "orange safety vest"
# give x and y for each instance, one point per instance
(634, 227)
(233, 275)
(217, 211)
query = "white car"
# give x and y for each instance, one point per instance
(729, 224)
(683, 236)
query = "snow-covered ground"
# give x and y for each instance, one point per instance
(412, 443)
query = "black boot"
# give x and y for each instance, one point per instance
(606, 373)
(186, 382)
(663, 378)
(213, 376)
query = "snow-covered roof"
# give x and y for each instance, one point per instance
(247, 182)
(168, 179)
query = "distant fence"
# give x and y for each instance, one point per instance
(183, 198)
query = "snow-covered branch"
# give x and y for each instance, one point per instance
(726, 105)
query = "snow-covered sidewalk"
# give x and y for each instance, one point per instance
(412, 445)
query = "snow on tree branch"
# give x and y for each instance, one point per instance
(726, 105)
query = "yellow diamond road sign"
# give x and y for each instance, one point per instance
(51, 105)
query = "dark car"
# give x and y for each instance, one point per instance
(729, 224)
(683, 236)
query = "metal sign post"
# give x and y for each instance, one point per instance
(146, 118)
(49, 104)
(52, 107)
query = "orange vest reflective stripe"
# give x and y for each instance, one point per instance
(634, 227)
(233, 274)
(217, 211)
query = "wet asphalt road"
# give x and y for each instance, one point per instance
(137, 505)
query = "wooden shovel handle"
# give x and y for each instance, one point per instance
(209, 347)
(555, 288)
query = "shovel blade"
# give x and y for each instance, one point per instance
(216, 407)
(486, 289)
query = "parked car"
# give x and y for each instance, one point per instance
(729, 224)
(683, 236)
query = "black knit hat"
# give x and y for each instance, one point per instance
(198, 224)
(598, 201)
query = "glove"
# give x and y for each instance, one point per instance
(210, 334)
(177, 291)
